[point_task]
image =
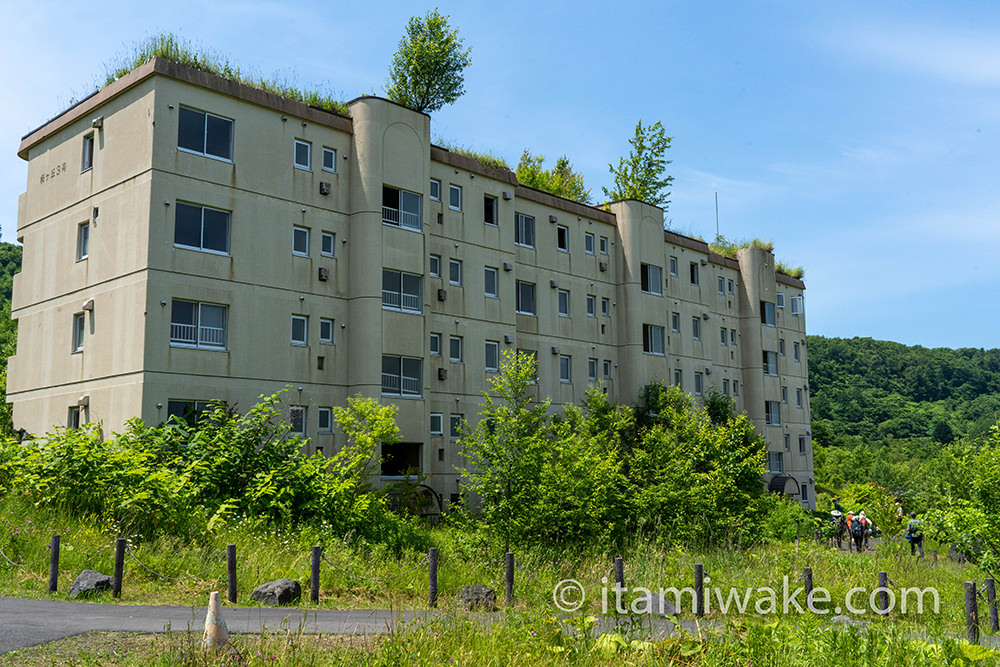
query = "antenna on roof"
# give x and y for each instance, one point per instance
(716, 214)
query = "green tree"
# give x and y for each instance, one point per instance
(426, 71)
(642, 175)
(560, 180)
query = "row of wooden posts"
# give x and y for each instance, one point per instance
(971, 594)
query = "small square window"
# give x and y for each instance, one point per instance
(736, 387)
(297, 420)
(731, 286)
(607, 369)
(329, 159)
(524, 298)
(591, 305)
(82, 241)
(300, 241)
(722, 285)
(491, 278)
(606, 307)
(779, 299)
(455, 197)
(565, 368)
(325, 331)
(492, 356)
(673, 266)
(562, 238)
(604, 245)
(675, 322)
(434, 266)
(79, 330)
(435, 192)
(435, 345)
(329, 246)
(588, 243)
(563, 303)
(722, 335)
(88, 153)
(300, 330)
(455, 271)
(324, 419)
(303, 154)
(455, 349)
(73, 417)
(455, 425)
(437, 423)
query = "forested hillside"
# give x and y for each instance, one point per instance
(10, 263)
(865, 390)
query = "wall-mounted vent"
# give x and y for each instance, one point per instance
(324, 274)
(555, 350)
(508, 339)
(88, 305)
(603, 266)
(507, 266)
(553, 284)
(507, 196)
(704, 316)
(552, 218)
(97, 122)
(442, 295)
(442, 374)
(324, 188)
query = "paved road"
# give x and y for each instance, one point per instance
(26, 623)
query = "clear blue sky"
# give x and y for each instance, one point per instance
(861, 138)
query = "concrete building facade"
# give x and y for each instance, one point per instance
(189, 238)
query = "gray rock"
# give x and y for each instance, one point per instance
(89, 583)
(274, 593)
(847, 620)
(478, 596)
(655, 604)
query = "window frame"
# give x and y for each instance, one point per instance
(607, 368)
(324, 414)
(307, 165)
(723, 336)
(324, 322)
(333, 153)
(696, 328)
(304, 319)
(181, 205)
(297, 231)
(402, 293)
(699, 383)
(495, 346)
(653, 337)
(79, 332)
(452, 190)
(491, 209)
(565, 369)
(796, 354)
(495, 272)
(770, 362)
(562, 238)
(694, 271)
(592, 369)
(589, 243)
(779, 300)
(198, 343)
(304, 412)
(87, 159)
(603, 245)
(434, 336)
(772, 413)
(605, 307)
(562, 299)
(519, 306)
(675, 322)
(768, 315)
(673, 266)
(456, 343)
(332, 237)
(204, 150)
(722, 285)
(434, 266)
(402, 376)
(82, 241)
(797, 305)
(591, 305)
(651, 279)
(430, 190)
(524, 227)
(452, 265)
(439, 431)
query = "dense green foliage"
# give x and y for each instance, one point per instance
(642, 175)
(10, 264)
(723, 246)
(426, 71)
(561, 180)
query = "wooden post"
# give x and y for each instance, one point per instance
(231, 572)
(314, 575)
(116, 583)
(619, 583)
(807, 580)
(54, 564)
(991, 599)
(971, 612)
(883, 596)
(699, 589)
(509, 562)
(432, 560)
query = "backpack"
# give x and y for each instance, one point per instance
(858, 529)
(913, 529)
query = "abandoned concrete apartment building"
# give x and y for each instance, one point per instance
(189, 238)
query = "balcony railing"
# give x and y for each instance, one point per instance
(409, 302)
(190, 334)
(391, 384)
(394, 216)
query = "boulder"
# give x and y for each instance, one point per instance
(478, 596)
(89, 583)
(273, 593)
(655, 604)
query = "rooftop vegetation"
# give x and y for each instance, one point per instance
(723, 246)
(487, 160)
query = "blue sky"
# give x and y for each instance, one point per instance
(861, 138)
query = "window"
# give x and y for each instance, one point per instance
(455, 197)
(73, 417)
(694, 273)
(300, 329)
(533, 354)
(205, 134)
(779, 299)
(781, 347)
(797, 305)
(767, 313)
(489, 210)
(652, 339)
(401, 376)
(730, 286)
(795, 351)
(88, 153)
(772, 413)
(784, 395)
(562, 238)
(435, 345)
(201, 228)
(187, 412)
(798, 398)
(455, 271)
(437, 423)
(324, 420)
(82, 241)
(732, 337)
(775, 462)
(722, 285)
(675, 322)
(805, 492)
(607, 369)
(788, 440)
(722, 335)
(592, 369)
(401, 459)
(604, 245)
(696, 328)
(455, 425)
(525, 298)
(673, 266)
(328, 246)
(770, 360)
(401, 291)
(524, 230)
(490, 278)
(79, 330)
(329, 159)
(565, 368)
(434, 266)
(199, 325)
(563, 303)
(401, 208)
(435, 192)
(699, 381)
(678, 379)
(300, 241)
(303, 155)
(297, 420)
(651, 279)
(455, 349)
(802, 446)
(591, 305)
(606, 307)
(725, 387)
(736, 387)
(325, 331)
(588, 243)
(492, 356)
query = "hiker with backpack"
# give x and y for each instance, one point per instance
(858, 529)
(915, 534)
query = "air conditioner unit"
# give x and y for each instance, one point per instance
(442, 295)
(507, 266)
(553, 283)
(324, 188)
(704, 262)
(324, 274)
(442, 374)
(555, 350)
(708, 371)
(508, 339)
(704, 316)
(97, 122)
(506, 195)
(552, 218)
(603, 266)
(88, 305)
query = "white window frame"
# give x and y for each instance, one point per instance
(455, 421)
(787, 441)
(326, 323)
(454, 264)
(589, 243)
(495, 273)
(87, 160)
(592, 369)
(605, 307)
(798, 303)
(675, 322)
(456, 353)
(403, 301)
(784, 395)
(199, 342)
(434, 190)
(324, 420)
(768, 316)
(435, 344)
(699, 384)
(328, 239)
(607, 369)
(74, 416)
(565, 368)
(82, 241)
(332, 154)
(562, 298)
(799, 402)
(770, 362)
(723, 336)
(491, 205)
(493, 345)
(562, 238)
(803, 445)
(304, 412)
(297, 232)
(307, 165)
(722, 285)
(591, 305)
(795, 352)
(696, 328)
(653, 340)
(438, 429)
(781, 347)
(673, 266)
(779, 299)
(201, 244)
(652, 275)
(454, 190)
(304, 341)
(79, 332)
(679, 378)
(776, 462)
(403, 217)
(519, 306)
(604, 245)
(434, 266)
(204, 143)
(772, 413)
(524, 230)
(695, 277)
(414, 381)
